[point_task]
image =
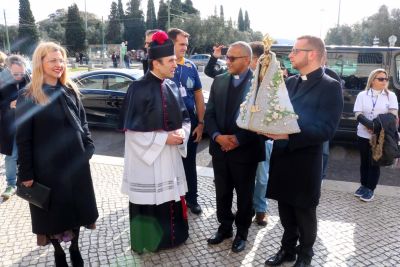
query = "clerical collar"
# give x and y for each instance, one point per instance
(155, 75)
(315, 74)
(238, 78)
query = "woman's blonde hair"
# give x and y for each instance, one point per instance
(372, 77)
(34, 89)
(2, 59)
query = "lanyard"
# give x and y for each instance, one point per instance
(180, 74)
(374, 102)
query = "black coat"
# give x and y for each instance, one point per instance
(52, 152)
(296, 165)
(251, 146)
(8, 93)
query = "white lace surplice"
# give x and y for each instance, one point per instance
(153, 170)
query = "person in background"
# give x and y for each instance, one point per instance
(127, 59)
(54, 148)
(235, 152)
(374, 100)
(188, 81)
(296, 159)
(156, 125)
(114, 59)
(147, 41)
(325, 148)
(13, 79)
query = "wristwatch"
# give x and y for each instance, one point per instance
(200, 122)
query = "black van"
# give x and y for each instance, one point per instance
(353, 64)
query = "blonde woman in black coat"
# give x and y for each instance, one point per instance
(54, 148)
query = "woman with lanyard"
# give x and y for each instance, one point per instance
(374, 100)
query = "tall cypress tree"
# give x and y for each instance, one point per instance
(28, 34)
(75, 31)
(121, 14)
(221, 13)
(134, 25)
(246, 21)
(151, 20)
(162, 16)
(113, 35)
(240, 21)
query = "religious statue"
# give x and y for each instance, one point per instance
(267, 107)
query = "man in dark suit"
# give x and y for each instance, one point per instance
(235, 152)
(296, 160)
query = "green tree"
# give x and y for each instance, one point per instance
(113, 34)
(381, 24)
(221, 13)
(53, 28)
(74, 31)
(134, 25)
(162, 16)
(246, 21)
(28, 35)
(94, 32)
(187, 7)
(342, 35)
(176, 8)
(12, 36)
(241, 21)
(121, 14)
(151, 20)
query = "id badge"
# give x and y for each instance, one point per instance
(183, 91)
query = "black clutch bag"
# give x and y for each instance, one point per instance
(37, 194)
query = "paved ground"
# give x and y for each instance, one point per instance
(351, 233)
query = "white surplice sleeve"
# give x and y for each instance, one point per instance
(148, 145)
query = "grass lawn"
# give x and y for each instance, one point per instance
(77, 69)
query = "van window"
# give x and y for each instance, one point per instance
(397, 69)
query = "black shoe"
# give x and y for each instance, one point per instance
(280, 258)
(238, 244)
(76, 257)
(60, 260)
(194, 208)
(219, 237)
(302, 263)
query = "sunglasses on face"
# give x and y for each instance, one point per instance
(232, 58)
(382, 79)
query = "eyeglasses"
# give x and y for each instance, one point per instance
(295, 51)
(55, 61)
(18, 74)
(232, 58)
(382, 79)
(147, 43)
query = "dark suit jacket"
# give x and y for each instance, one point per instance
(251, 148)
(296, 165)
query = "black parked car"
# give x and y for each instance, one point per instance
(103, 92)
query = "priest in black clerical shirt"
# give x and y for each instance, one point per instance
(235, 152)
